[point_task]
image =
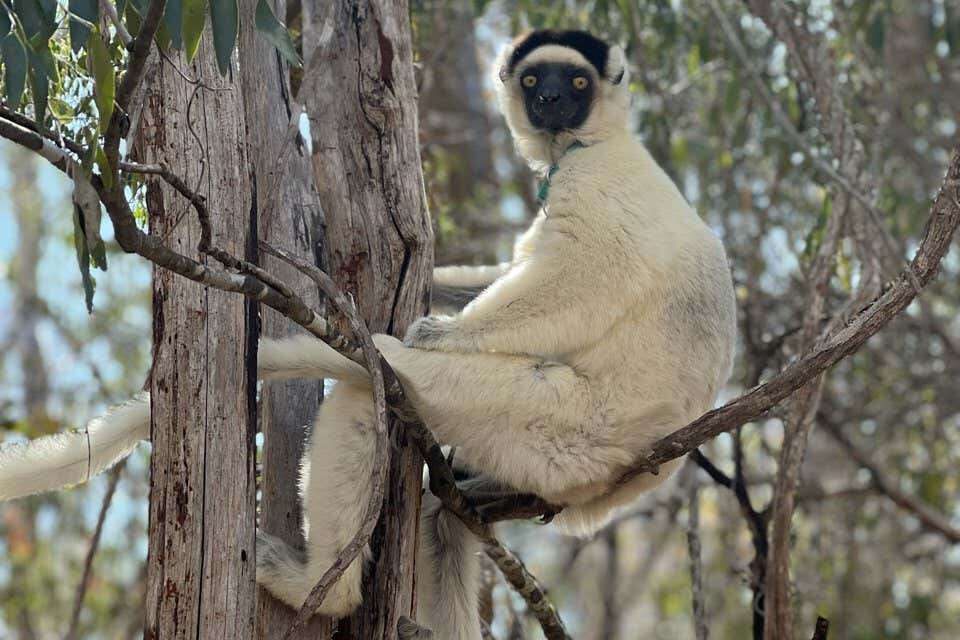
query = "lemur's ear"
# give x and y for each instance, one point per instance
(503, 63)
(616, 65)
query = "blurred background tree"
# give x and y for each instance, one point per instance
(721, 100)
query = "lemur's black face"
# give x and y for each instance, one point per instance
(557, 96)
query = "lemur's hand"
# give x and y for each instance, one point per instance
(434, 333)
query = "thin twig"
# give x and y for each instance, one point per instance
(92, 550)
(700, 627)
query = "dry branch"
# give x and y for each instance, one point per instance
(527, 586)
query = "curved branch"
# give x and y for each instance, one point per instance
(372, 360)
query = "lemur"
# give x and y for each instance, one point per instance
(612, 326)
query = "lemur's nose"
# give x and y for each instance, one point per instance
(548, 95)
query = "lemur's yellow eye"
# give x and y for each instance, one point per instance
(529, 81)
(580, 82)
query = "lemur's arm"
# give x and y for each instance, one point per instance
(550, 303)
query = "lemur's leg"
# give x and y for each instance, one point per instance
(538, 427)
(337, 488)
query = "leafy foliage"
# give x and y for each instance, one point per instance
(70, 86)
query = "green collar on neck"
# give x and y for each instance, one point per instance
(544, 190)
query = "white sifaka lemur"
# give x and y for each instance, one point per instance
(612, 326)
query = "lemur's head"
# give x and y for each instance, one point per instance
(560, 86)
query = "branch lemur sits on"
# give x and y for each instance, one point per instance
(612, 326)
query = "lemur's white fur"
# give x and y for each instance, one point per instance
(612, 326)
(74, 456)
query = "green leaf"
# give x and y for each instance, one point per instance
(104, 79)
(39, 87)
(38, 17)
(275, 33)
(83, 258)
(61, 109)
(132, 19)
(172, 19)
(89, 10)
(15, 72)
(41, 59)
(5, 23)
(225, 19)
(194, 16)
(106, 173)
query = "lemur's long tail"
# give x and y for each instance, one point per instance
(72, 457)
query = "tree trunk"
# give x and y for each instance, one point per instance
(293, 222)
(363, 121)
(200, 577)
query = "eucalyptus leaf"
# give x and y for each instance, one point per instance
(38, 17)
(106, 173)
(172, 19)
(85, 199)
(41, 59)
(194, 16)
(83, 258)
(104, 79)
(225, 19)
(15, 69)
(89, 10)
(275, 32)
(39, 87)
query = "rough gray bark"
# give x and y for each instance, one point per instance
(200, 577)
(363, 119)
(294, 223)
